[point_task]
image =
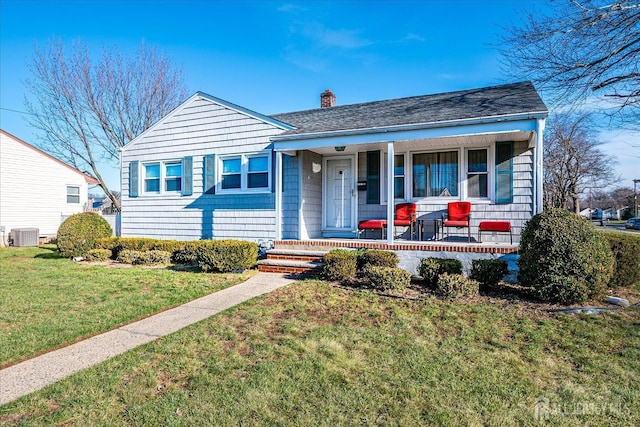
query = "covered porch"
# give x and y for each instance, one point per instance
(326, 185)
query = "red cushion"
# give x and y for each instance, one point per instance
(373, 224)
(459, 211)
(456, 223)
(402, 222)
(495, 226)
(404, 211)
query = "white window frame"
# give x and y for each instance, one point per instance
(244, 173)
(437, 199)
(385, 177)
(491, 174)
(163, 177)
(77, 187)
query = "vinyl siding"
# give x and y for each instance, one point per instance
(290, 197)
(311, 200)
(196, 129)
(33, 188)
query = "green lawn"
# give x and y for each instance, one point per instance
(316, 354)
(48, 301)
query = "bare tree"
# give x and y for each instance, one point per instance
(572, 161)
(575, 49)
(87, 110)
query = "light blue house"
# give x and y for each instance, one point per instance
(213, 169)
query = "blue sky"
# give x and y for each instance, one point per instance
(278, 56)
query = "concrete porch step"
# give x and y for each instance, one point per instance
(295, 254)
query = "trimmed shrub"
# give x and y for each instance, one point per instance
(226, 255)
(626, 251)
(339, 264)
(377, 258)
(129, 256)
(106, 243)
(387, 278)
(77, 235)
(488, 272)
(455, 285)
(95, 255)
(186, 253)
(431, 268)
(564, 258)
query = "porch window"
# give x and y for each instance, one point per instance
(477, 173)
(152, 178)
(435, 174)
(399, 176)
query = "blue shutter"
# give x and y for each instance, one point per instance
(373, 177)
(209, 179)
(504, 172)
(273, 172)
(187, 176)
(133, 179)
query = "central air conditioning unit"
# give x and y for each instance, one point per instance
(25, 236)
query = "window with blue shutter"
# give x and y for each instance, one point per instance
(373, 177)
(209, 178)
(133, 179)
(504, 172)
(187, 176)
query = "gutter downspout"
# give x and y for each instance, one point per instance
(390, 193)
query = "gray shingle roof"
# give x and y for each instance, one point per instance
(492, 101)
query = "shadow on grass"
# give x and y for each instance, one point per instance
(52, 254)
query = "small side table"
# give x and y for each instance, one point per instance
(437, 227)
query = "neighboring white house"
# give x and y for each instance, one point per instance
(36, 189)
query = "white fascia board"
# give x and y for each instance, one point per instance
(438, 130)
(222, 102)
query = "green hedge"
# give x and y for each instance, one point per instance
(98, 255)
(78, 233)
(626, 251)
(488, 272)
(129, 256)
(455, 285)
(226, 255)
(387, 278)
(340, 264)
(377, 258)
(431, 268)
(564, 258)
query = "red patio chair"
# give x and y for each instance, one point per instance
(405, 217)
(458, 216)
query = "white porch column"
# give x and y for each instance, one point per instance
(278, 192)
(538, 167)
(390, 193)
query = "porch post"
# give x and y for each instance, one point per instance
(278, 192)
(539, 172)
(390, 193)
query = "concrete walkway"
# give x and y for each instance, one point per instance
(33, 374)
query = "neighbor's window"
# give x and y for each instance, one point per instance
(477, 173)
(173, 176)
(73, 194)
(152, 178)
(232, 173)
(435, 174)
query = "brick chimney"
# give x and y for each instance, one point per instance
(327, 99)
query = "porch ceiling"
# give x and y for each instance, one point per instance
(432, 143)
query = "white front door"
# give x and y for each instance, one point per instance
(339, 195)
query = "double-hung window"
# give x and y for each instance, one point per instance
(152, 178)
(163, 177)
(399, 175)
(435, 174)
(73, 194)
(477, 173)
(244, 173)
